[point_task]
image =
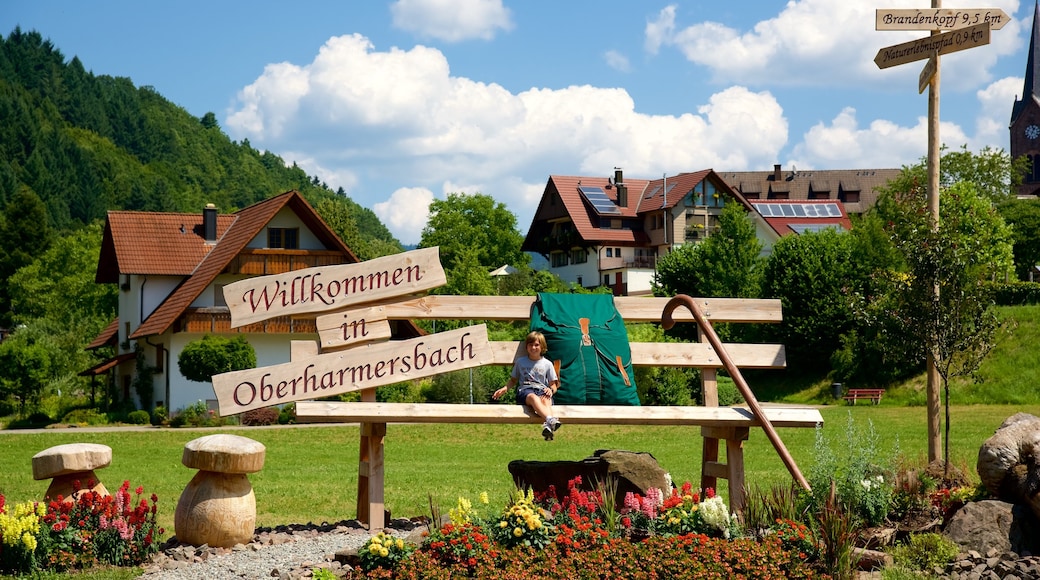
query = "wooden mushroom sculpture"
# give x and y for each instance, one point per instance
(72, 466)
(218, 507)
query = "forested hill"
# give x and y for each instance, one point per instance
(85, 144)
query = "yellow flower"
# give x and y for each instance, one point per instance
(30, 541)
(484, 498)
(373, 549)
(503, 524)
(400, 544)
(384, 552)
(518, 532)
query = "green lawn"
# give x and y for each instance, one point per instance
(310, 474)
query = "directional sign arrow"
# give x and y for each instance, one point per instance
(945, 43)
(939, 19)
(927, 73)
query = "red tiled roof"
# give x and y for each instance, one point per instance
(162, 244)
(246, 224)
(583, 215)
(106, 337)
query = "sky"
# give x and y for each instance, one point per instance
(403, 102)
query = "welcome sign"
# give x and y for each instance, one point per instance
(353, 369)
(333, 287)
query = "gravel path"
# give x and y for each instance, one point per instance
(285, 552)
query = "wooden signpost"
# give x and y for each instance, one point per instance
(945, 43)
(967, 28)
(357, 354)
(939, 19)
(333, 287)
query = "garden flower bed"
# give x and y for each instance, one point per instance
(87, 530)
(584, 535)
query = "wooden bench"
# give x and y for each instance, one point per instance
(717, 424)
(874, 395)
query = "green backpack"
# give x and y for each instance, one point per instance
(587, 340)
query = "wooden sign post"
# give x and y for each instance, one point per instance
(967, 28)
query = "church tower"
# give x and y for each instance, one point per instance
(1025, 116)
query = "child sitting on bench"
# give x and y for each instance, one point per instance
(537, 381)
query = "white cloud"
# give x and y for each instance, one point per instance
(405, 213)
(843, 144)
(617, 61)
(819, 42)
(399, 117)
(991, 126)
(452, 20)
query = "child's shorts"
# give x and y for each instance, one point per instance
(522, 392)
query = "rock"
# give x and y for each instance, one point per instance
(635, 472)
(993, 527)
(1009, 461)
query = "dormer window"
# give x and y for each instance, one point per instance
(284, 238)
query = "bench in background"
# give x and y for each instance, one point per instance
(873, 395)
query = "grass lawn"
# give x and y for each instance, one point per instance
(310, 473)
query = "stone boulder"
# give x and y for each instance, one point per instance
(634, 472)
(988, 525)
(1009, 461)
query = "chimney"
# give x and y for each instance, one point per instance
(776, 172)
(209, 223)
(622, 189)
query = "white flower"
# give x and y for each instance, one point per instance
(715, 513)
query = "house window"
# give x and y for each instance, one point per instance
(579, 281)
(851, 197)
(558, 259)
(284, 238)
(617, 252)
(610, 252)
(606, 279)
(579, 256)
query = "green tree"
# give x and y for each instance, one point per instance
(59, 285)
(957, 325)
(1023, 215)
(727, 264)
(28, 366)
(992, 171)
(811, 274)
(213, 355)
(25, 233)
(475, 222)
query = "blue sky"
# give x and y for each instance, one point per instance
(404, 101)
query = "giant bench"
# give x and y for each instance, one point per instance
(726, 427)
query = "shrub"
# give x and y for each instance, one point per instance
(925, 551)
(85, 417)
(261, 416)
(139, 417)
(160, 416)
(287, 414)
(862, 487)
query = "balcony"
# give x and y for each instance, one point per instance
(259, 262)
(217, 320)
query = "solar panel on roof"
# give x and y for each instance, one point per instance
(599, 201)
(652, 192)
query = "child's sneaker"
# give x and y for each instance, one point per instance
(555, 424)
(547, 431)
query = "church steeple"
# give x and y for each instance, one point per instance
(1032, 66)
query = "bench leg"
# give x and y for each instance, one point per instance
(732, 470)
(370, 506)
